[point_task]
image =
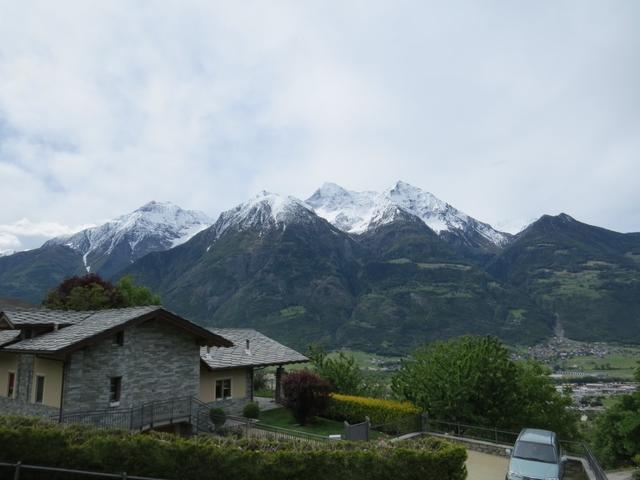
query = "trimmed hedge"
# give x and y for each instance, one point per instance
(202, 458)
(381, 412)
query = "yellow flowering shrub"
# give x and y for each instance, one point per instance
(354, 409)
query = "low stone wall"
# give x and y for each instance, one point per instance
(10, 406)
(476, 445)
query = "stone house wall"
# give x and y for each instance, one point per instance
(157, 361)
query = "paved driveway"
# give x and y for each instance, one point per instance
(625, 475)
(485, 467)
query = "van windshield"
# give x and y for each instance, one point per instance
(537, 452)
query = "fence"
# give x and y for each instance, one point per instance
(457, 429)
(20, 471)
(494, 435)
(146, 416)
(244, 427)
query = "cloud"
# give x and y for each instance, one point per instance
(8, 243)
(27, 234)
(507, 111)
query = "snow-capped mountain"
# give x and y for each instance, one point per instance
(265, 210)
(153, 227)
(359, 212)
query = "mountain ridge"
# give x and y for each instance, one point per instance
(301, 273)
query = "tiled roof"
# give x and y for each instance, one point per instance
(96, 323)
(262, 351)
(8, 336)
(43, 316)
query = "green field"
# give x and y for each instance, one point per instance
(620, 363)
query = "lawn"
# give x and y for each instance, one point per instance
(264, 393)
(281, 417)
(621, 364)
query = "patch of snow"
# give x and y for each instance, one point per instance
(358, 212)
(266, 210)
(152, 227)
(84, 260)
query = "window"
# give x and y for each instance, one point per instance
(11, 384)
(118, 339)
(223, 389)
(39, 388)
(537, 452)
(114, 391)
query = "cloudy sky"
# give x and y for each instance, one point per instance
(507, 110)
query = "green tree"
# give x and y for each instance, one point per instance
(91, 292)
(133, 295)
(472, 380)
(617, 431)
(341, 370)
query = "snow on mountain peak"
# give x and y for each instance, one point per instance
(264, 209)
(357, 212)
(155, 226)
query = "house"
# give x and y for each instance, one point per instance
(60, 363)
(226, 374)
(56, 362)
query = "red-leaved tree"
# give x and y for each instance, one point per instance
(306, 394)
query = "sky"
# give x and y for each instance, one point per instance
(506, 110)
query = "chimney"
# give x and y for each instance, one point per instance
(248, 348)
(56, 326)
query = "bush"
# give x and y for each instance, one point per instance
(251, 410)
(306, 394)
(205, 457)
(473, 380)
(381, 412)
(217, 417)
(617, 432)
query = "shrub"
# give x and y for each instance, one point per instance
(617, 432)
(306, 395)
(473, 380)
(205, 457)
(381, 412)
(251, 410)
(218, 417)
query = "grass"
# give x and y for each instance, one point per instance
(620, 363)
(292, 311)
(264, 393)
(282, 418)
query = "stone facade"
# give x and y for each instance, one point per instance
(24, 380)
(156, 361)
(12, 406)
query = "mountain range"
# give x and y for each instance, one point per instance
(377, 271)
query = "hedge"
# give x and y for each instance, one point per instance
(206, 457)
(381, 412)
